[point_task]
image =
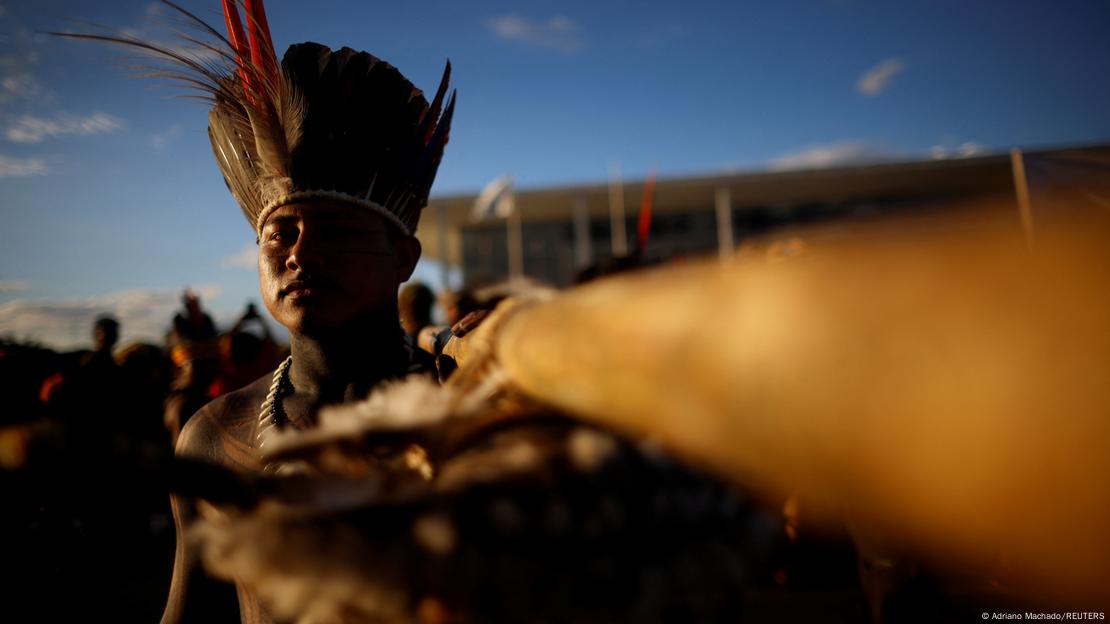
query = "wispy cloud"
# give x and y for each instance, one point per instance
(67, 324)
(10, 286)
(736, 166)
(876, 80)
(830, 155)
(558, 32)
(158, 26)
(11, 167)
(17, 79)
(245, 258)
(32, 129)
(18, 85)
(966, 149)
(161, 28)
(161, 140)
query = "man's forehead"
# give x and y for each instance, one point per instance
(328, 211)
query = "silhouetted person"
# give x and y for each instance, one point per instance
(193, 325)
(245, 356)
(145, 371)
(415, 306)
(93, 388)
(193, 350)
(99, 363)
(189, 392)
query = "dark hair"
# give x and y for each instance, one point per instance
(106, 323)
(418, 299)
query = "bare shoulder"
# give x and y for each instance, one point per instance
(223, 430)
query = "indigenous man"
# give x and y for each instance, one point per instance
(331, 157)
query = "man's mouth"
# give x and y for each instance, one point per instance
(303, 288)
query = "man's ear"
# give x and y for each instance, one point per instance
(408, 254)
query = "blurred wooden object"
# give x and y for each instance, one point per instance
(935, 378)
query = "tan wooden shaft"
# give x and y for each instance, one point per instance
(944, 385)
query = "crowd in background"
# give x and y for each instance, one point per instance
(150, 391)
(89, 517)
(93, 520)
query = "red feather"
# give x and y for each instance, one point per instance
(238, 43)
(262, 47)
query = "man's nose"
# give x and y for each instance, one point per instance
(307, 254)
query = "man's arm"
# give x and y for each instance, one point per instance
(193, 596)
(184, 561)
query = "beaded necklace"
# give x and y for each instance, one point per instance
(272, 414)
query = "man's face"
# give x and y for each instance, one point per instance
(323, 265)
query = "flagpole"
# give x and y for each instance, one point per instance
(1021, 188)
(725, 243)
(496, 200)
(583, 252)
(445, 265)
(514, 236)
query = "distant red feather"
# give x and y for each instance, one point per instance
(644, 228)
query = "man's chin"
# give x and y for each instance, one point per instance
(307, 321)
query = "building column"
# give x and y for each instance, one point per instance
(583, 244)
(441, 234)
(725, 243)
(516, 245)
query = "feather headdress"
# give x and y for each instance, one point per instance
(322, 124)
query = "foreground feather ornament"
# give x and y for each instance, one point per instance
(475, 502)
(438, 504)
(323, 124)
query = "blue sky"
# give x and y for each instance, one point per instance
(110, 200)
